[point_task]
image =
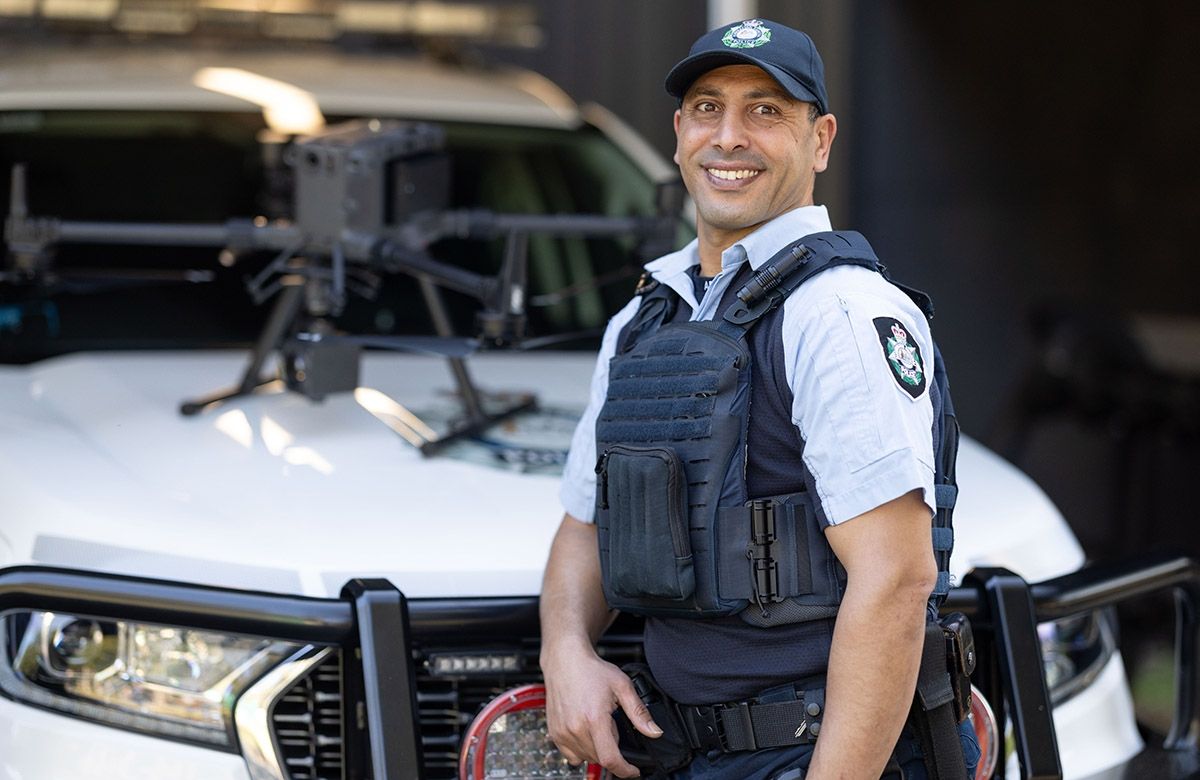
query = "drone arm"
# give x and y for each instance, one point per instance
(235, 232)
(393, 256)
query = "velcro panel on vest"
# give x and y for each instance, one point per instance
(943, 539)
(945, 496)
(657, 397)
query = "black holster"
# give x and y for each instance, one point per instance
(943, 695)
(653, 757)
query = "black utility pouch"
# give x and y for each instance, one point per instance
(645, 551)
(653, 757)
(960, 660)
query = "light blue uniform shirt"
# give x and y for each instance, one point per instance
(867, 440)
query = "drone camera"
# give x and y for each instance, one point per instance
(367, 176)
(316, 368)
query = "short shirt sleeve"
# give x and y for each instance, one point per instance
(577, 492)
(859, 360)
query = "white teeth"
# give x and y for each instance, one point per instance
(731, 175)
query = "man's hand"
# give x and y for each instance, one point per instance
(582, 691)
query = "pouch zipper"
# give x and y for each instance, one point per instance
(602, 478)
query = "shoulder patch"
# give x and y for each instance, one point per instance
(902, 354)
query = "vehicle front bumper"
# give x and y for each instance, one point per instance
(379, 631)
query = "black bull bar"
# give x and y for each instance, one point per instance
(375, 621)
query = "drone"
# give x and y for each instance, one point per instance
(368, 199)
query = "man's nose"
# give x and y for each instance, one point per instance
(731, 132)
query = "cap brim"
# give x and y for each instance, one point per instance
(688, 70)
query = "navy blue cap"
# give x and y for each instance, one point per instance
(788, 56)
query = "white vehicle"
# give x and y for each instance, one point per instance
(174, 597)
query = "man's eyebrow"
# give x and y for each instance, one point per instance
(778, 94)
(707, 92)
(754, 94)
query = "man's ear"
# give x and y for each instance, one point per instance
(675, 157)
(825, 129)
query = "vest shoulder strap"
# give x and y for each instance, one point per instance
(793, 266)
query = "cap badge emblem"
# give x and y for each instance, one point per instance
(747, 35)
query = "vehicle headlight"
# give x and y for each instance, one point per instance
(1074, 651)
(165, 680)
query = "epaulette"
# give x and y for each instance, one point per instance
(646, 284)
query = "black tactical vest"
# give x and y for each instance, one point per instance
(679, 535)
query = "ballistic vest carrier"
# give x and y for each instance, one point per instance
(678, 534)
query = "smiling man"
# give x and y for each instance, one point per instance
(755, 471)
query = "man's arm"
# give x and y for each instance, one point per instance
(582, 690)
(878, 636)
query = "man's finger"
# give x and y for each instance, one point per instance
(636, 711)
(609, 754)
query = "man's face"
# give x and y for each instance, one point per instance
(747, 150)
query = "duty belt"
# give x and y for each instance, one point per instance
(754, 724)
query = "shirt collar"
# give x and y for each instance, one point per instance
(760, 246)
(672, 270)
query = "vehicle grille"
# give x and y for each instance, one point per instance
(310, 728)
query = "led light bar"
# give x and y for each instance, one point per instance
(460, 664)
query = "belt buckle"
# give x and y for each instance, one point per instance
(703, 727)
(725, 718)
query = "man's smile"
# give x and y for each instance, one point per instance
(731, 175)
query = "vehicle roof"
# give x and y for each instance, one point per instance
(154, 77)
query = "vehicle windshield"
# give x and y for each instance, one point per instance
(208, 167)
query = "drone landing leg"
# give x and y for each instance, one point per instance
(282, 316)
(476, 419)
(441, 324)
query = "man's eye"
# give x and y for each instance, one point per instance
(706, 107)
(765, 110)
